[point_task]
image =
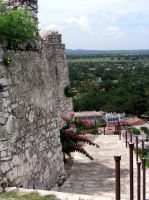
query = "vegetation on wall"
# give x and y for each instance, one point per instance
(68, 91)
(16, 27)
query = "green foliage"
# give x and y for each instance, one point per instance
(123, 87)
(146, 153)
(30, 196)
(101, 123)
(68, 91)
(95, 131)
(72, 137)
(7, 60)
(16, 26)
(145, 129)
(135, 131)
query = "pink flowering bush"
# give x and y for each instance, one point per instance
(72, 137)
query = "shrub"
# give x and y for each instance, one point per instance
(101, 123)
(68, 91)
(72, 137)
(135, 131)
(145, 129)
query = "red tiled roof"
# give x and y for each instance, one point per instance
(123, 123)
(135, 121)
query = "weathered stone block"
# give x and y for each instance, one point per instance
(6, 102)
(4, 167)
(16, 160)
(5, 94)
(3, 81)
(13, 174)
(3, 154)
(11, 125)
(31, 116)
(2, 121)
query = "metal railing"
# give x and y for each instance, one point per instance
(131, 172)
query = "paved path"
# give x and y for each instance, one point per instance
(97, 178)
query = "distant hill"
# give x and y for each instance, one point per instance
(84, 52)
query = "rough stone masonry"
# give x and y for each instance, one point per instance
(31, 102)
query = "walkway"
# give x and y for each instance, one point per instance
(97, 178)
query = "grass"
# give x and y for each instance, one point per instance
(30, 196)
(145, 155)
(108, 59)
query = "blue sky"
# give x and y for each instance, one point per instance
(98, 24)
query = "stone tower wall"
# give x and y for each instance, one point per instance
(30, 5)
(31, 102)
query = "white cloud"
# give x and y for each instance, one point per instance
(115, 21)
(120, 35)
(83, 21)
(113, 31)
(141, 27)
(72, 20)
(111, 28)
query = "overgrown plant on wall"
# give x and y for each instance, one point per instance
(16, 26)
(72, 137)
(68, 91)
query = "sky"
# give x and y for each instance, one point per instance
(98, 24)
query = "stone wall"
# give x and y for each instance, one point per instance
(30, 5)
(31, 102)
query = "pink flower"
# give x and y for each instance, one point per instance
(72, 114)
(87, 123)
(73, 125)
(80, 148)
(69, 131)
(63, 117)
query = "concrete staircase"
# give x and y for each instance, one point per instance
(97, 178)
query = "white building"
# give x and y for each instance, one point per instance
(92, 116)
(114, 117)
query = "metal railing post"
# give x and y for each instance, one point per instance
(138, 180)
(119, 130)
(131, 137)
(136, 148)
(131, 146)
(126, 138)
(119, 134)
(142, 149)
(115, 129)
(117, 176)
(144, 177)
